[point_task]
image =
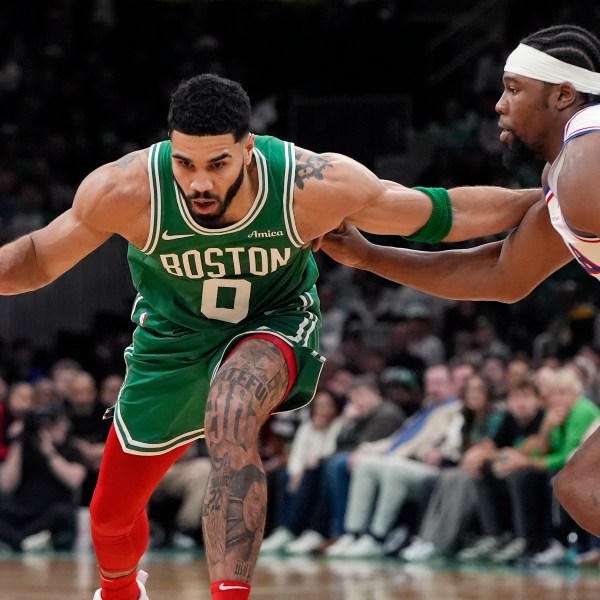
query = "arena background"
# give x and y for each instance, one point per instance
(407, 87)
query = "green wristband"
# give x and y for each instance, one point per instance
(440, 222)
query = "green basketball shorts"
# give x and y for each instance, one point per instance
(170, 370)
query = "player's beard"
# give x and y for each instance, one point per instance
(518, 154)
(214, 220)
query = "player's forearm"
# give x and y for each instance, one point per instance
(455, 274)
(19, 269)
(486, 210)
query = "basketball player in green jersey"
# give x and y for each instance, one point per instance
(219, 224)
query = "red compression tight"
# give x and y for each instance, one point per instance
(118, 509)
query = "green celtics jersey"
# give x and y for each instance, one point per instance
(203, 290)
(212, 280)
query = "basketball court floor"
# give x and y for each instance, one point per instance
(183, 575)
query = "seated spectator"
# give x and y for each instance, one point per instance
(40, 481)
(422, 341)
(303, 514)
(184, 484)
(110, 387)
(62, 373)
(453, 501)
(400, 386)
(23, 365)
(529, 471)
(88, 429)
(390, 471)
(44, 393)
(5, 418)
(19, 402)
(368, 416)
(522, 419)
(493, 369)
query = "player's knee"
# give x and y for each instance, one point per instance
(104, 518)
(562, 485)
(571, 491)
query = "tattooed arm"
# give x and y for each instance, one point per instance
(336, 188)
(112, 199)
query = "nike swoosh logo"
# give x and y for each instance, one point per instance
(224, 587)
(176, 236)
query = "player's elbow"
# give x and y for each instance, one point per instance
(511, 296)
(12, 284)
(504, 290)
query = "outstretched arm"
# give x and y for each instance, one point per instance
(506, 270)
(110, 200)
(337, 188)
(479, 211)
(38, 258)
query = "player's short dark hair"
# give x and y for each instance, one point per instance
(208, 104)
(571, 44)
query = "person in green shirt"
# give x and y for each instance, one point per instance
(530, 469)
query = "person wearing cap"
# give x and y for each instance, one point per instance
(549, 108)
(400, 386)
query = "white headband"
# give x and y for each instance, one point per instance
(529, 62)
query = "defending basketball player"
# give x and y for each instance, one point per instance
(549, 107)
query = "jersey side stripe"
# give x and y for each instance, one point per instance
(288, 196)
(305, 329)
(155, 200)
(138, 297)
(126, 437)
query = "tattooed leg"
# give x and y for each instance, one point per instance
(248, 386)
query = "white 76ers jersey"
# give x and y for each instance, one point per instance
(585, 248)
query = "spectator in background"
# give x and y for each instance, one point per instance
(388, 472)
(397, 351)
(110, 386)
(517, 369)
(19, 402)
(460, 372)
(44, 393)
(452, 504)
(62, 373)
(304, 523)
(400, 387)
(367, 416)
(493, 369)
(422, 341)
(40, 479)
(184, 483)
(521, 420)
(334, 317)
(89, 431)
(529, 471)
(3, 418)
(458, 325)
(23, 365)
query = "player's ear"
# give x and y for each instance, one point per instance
(567, 94)
(248, 148)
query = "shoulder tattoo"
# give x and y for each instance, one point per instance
(310, 166)
(126, 161)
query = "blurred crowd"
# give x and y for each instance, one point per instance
(438, 425)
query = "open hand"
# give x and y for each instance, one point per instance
(344, 244)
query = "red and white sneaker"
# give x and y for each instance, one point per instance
(142, 577)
